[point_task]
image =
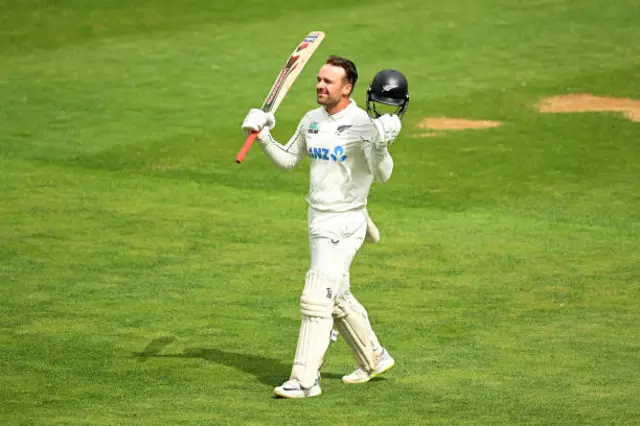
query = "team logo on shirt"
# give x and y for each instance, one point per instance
(337, 155)
(342, 128)
(314, 128)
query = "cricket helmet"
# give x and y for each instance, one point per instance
(388, 87)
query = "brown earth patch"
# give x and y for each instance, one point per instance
(444, 123)
(584, 102)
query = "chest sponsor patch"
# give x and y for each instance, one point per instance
(337, 155)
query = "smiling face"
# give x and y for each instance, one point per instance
(333, 89)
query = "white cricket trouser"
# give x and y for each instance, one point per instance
(334, 240)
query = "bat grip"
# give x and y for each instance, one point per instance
(246, 146)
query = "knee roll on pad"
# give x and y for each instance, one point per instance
(318, 295)
(313, 307)
(347, 304)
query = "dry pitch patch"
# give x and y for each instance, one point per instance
(584, 102)
(444, 123)
(570, 103)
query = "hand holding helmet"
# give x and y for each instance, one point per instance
(388, 87)
(388, 127)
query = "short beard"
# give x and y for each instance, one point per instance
(326, 102)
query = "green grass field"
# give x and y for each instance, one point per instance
(147, 279)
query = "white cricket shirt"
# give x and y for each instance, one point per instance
(344, 160)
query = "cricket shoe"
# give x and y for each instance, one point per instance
(385, 363)
(292, 389)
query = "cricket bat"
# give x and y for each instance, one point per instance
(287, 76)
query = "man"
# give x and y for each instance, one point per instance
(348, 150)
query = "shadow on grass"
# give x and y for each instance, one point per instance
(269, 371)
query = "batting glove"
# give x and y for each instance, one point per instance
(264, 136)
(256, 120)
(388, 127)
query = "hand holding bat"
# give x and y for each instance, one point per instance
(287, 76)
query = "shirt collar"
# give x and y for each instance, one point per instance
(352, 105)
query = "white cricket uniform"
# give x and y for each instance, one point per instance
(344, 163)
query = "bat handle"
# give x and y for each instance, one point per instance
(246, 146)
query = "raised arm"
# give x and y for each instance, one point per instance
(386, 128)
(284, 156)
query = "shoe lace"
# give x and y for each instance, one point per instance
(359, 371)
(292, 383)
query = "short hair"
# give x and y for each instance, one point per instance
(348, 66)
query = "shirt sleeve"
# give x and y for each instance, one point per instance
(286, 156)
(381, 163)
(379, 159)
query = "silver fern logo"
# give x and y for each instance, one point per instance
(342, 128)
(389, 87)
